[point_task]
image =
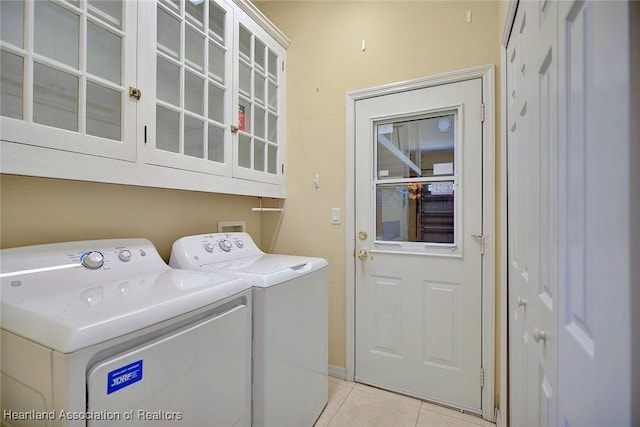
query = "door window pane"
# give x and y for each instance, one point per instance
(194, 93)
(416, 212)
(107, 10)
(273, 128)
(168, 34)
(259, 156)
(216, 103)
(168, 82)
(195, 12)
(245, 44)
(216, 144)
(194, 51)
(55, 98)
(416, 148)
(193, 137)
(260, 56)
(272, 166)
(273, 66)
(244, 151)
(104, 53)
(103, 112)
(216, 22)
(245, 80)
(273, 96)
(259, 122)
(56, 33)
(11, 85)
(167, 128)
(216, 62)
(11, 22)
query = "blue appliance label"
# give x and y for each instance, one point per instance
(124, 376)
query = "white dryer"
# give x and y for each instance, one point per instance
(290, 323)
(104, 333)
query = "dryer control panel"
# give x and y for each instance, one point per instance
(211, 248)
(108, 256)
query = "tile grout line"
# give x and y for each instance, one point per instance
(340, 406)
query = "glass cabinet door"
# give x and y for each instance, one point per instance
(259, 122)
(65, 68)
(193, 52)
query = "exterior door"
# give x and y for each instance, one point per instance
(419, 242)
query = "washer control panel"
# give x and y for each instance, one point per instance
(216, 247)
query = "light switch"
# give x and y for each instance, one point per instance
(335, 215)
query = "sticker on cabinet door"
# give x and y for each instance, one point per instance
(241, 117)
(124, 376)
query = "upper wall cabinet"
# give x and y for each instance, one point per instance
(65, 67)
(182, 94)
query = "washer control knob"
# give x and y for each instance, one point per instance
(240, 243)
(225, 245)
(124, 255)
(209, 247)
(93, 260)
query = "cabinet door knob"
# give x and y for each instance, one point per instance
(539, 335)
(234, 129)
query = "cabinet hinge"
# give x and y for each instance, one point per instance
(482, 112)
(481, 377)
(135, 93)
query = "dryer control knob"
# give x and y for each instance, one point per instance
(209, 247)
(93, 260)
(225, 245)
(124, 255)
(239, 243)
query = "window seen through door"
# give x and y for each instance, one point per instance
(415, 180)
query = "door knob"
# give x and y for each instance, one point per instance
(522, 302)
(362, 254)
(539, 335)
(362, 235)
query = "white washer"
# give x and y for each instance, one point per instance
(104, 333)
(290, 316)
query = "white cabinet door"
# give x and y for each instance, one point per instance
(66, 69)
(258, 85)
(188, 51)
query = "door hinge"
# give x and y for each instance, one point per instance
(481, 377)
(145, 134)
(135, 93)
(282, 66)
(283, 169)
(482, 239)
(482, 112)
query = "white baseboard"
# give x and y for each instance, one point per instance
(337, 372)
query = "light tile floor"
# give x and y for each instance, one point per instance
(357, 405)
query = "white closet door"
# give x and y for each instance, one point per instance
(595, 357)
(532, 98)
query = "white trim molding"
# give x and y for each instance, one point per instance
(487, 74)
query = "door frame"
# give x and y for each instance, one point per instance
(487, 74)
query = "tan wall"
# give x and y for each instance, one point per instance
(38, 210)
(404, 40)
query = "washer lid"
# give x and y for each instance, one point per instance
(66, 313)
(267, 269)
